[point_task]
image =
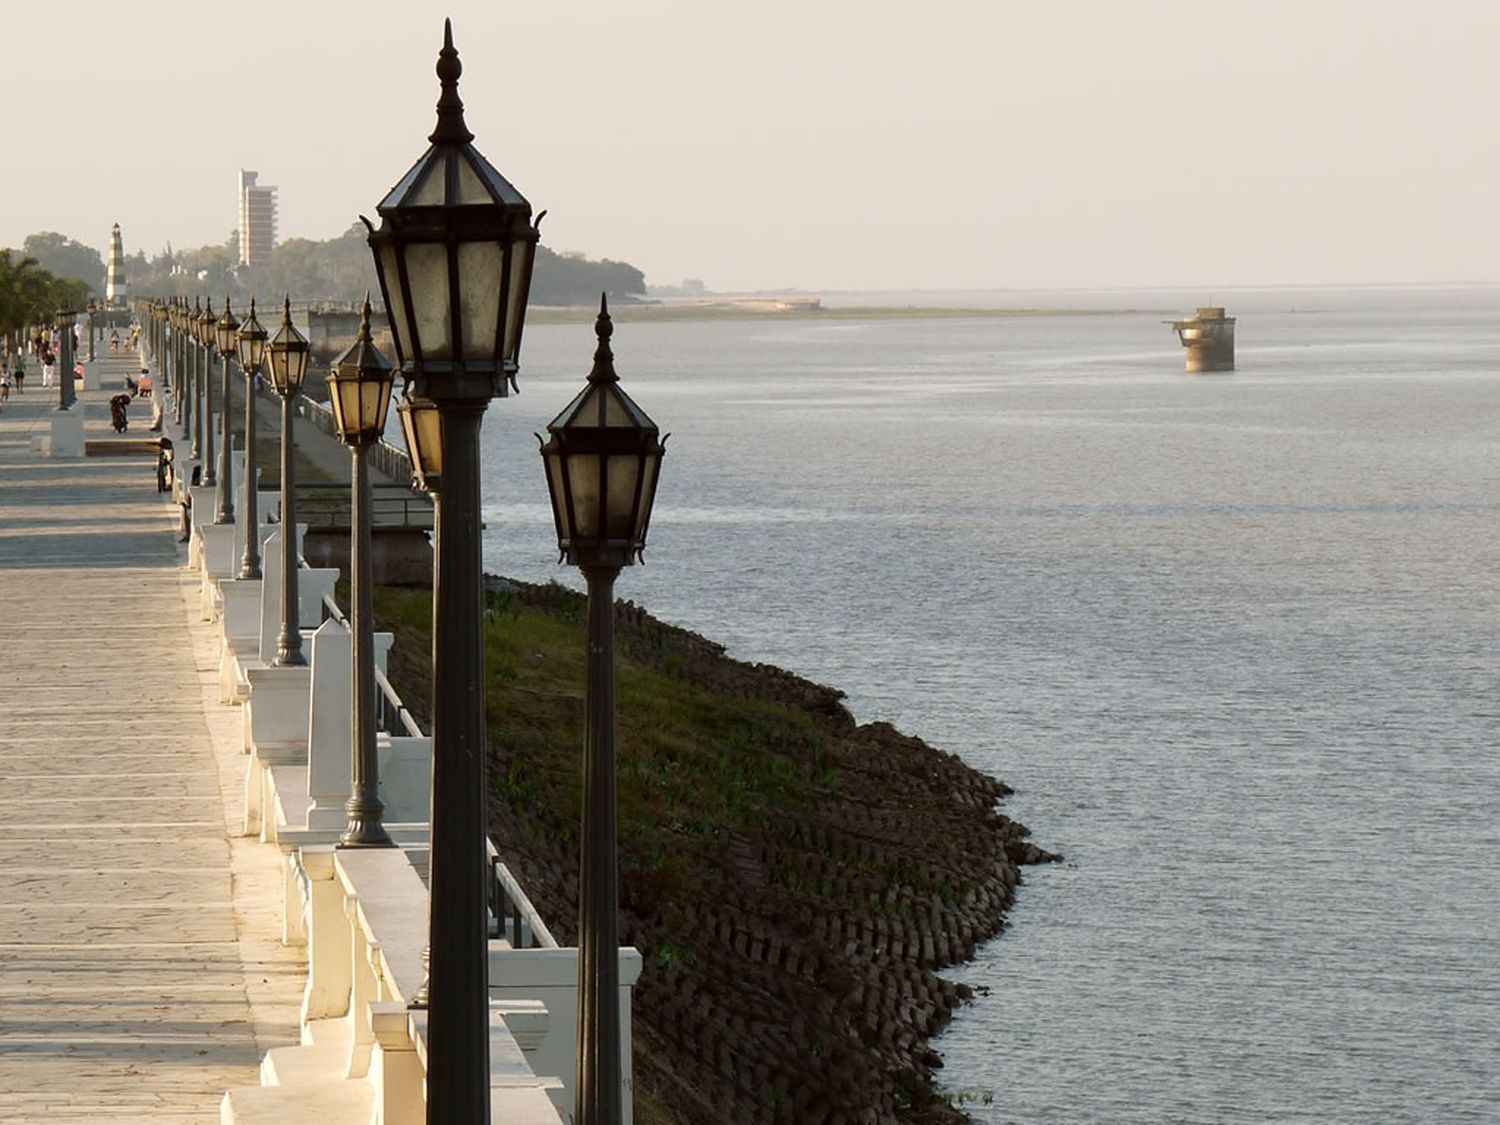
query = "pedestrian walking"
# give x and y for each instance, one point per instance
(114, 342)
(5, 382)
(20, 374)
(49, 367)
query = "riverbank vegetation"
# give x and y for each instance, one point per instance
(793, 880)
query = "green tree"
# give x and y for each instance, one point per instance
(31, 295)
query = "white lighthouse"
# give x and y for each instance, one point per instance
(114, 279)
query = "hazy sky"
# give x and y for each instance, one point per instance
(810, 143)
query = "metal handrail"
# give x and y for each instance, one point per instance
(512, 915)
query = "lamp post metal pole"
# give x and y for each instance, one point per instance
(206, 408)
(364, 807)
(289, 643)
(598, 1090)
(64, 360)
(184, 384)
(250, 564)
(224, 496)
(458, 987)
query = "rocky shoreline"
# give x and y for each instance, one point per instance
(793, 880)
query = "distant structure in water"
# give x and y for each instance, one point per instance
(114, 279)
(1209, 340)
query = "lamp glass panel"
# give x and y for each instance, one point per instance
(480, 266)
(396, 306)
(276, 364)
(583, 483)
(554, 462)
(296, 368)
(429, 425)
(252, 351)
(342, 416)
(427, 273)
(615, 414)
(470, 188)
(374, 404)
(430, 192)
(520, 259)
(621, 475)
(652, 462)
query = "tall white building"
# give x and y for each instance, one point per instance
(257, 220)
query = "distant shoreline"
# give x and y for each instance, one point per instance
(748, 310)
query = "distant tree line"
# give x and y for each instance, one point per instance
(336, 270)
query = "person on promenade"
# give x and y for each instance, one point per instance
(49, 366)
(20, 374)
(5, 381)
(114, 342)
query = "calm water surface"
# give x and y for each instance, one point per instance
(1232, 639)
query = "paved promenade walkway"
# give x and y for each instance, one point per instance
(140, 975)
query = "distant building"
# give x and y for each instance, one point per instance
(114, 277)
(257, 220)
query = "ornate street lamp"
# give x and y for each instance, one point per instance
(454, 254)
(66, 392)
(202, 317)
(360, 393)
(421, 426)
(92, 309)
(287, 353)
(251, 342)
(220, 335)
(602, 458)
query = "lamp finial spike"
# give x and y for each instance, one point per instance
(450, 107)
(604, 358)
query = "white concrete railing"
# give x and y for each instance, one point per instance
(362, 913)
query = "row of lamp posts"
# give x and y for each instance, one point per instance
(453, 254)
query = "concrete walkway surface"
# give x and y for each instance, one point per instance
(140, 971)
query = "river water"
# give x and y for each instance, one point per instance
(1232, 638)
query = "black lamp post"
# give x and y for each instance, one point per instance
(202, 322)
(287, 353)
(251, 342)
(181, 383)
(602, 458)
(220, 336)
(92, 308)
(454, 253)
(66, 393)
(360, 393)
(166, 373)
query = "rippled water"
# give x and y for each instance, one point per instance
(1232, 638)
